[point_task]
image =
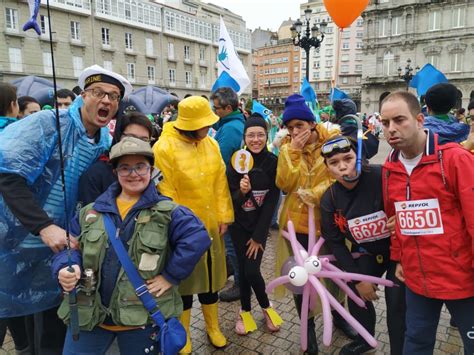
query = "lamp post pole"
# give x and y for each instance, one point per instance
(408, 73)
(312, 37)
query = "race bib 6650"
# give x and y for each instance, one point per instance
(419, 217)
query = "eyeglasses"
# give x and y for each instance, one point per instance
(141, 169)
(145, 139)
(100, 94)
(338, 145)
(259, 136)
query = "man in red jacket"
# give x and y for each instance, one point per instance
(429, 188)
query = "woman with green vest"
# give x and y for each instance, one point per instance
(164, 242)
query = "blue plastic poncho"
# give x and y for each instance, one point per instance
(29, 148)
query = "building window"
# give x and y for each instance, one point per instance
(296, 58)
(16, 62)
(345, 80)
(396, 26)
(172, 76)
(105, 36)
(345, 45)
(151, 74)
(329, 52)
(433, 60)
(189, 79)
(358, 57)
(11, 18)
(315, 75)
(295, 69)
(47, 63)
(358, 67)
(328, 63)
(360, 34)
(77, 66)
(108, 65)
(131, 72)
(388, 64)
(346, 34)
(456, 62)
(458, 17)
(202, 53)
(344, 69)
(328, 75)
(434, 21)
(203, 80)
(128, 41)
(358, 79)
(44, 25)
(75, 31)
(383, 28)
(359, 45)
(187, 52)
(149, 46)
(345, 58)
(170, 50)
(329, 30)
(360, 22)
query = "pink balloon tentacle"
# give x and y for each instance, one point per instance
(294, 244)
(359, 301)
(315, 249)
(349, 276)
(327, 320)
(333, 258)
(311, 229)
(277, 282)
(304, 317)
(352, 321)
(313, 296)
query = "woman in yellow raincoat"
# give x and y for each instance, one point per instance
(302, 175)
(194, 176)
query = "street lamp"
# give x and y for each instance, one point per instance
(312, 36)
(408, 74)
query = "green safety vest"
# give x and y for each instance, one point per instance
(148, 248)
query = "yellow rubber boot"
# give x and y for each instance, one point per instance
(185, 320)
(212, 325)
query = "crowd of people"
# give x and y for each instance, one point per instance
(166, 184)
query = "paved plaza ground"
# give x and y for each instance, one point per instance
(286, 341)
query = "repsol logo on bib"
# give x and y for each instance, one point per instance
(414, 205)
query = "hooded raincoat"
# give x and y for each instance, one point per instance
(303, 176)
(194, 176)
(29, 149)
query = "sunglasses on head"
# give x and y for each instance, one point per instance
(338, 145)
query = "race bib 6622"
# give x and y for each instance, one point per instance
(419, 217)
(369, 228)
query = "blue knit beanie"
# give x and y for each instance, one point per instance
(296, 108)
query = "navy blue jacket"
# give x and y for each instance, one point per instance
(187, 236)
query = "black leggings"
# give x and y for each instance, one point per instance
(204, 298)
(249, 268)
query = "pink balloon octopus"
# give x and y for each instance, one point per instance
(309, 268)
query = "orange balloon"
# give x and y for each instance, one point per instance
(344, 12)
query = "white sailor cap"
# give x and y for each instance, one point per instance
(97, 74)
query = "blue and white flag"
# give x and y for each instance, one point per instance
(231, 72)
(338, 94)
(259, 108)
(426, 78)
(310, 97)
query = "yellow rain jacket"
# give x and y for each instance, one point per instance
(194, 176)
(301, 171)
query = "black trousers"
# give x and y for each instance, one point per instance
(394, 300)
(17, 327)
(249, 268)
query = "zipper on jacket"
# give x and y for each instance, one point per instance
(408, 197)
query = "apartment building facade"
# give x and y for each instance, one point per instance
(171, 45)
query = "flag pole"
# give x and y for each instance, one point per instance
(74, 315)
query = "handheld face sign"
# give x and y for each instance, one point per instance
(242, 161)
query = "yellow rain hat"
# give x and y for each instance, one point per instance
(195, 113)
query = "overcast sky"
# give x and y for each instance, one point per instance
(264, 13)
